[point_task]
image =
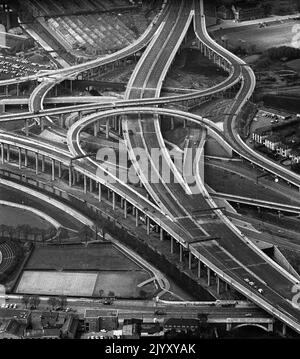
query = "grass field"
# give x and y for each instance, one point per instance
(86, 284)
(123, 284)
(96, 257)
(56, 283)
(12, 216)
(263, 38)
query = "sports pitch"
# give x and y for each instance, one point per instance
(84, 284)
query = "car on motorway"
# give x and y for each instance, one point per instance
(247, 280)
(251, 283)
(260, 290)
(160, 312)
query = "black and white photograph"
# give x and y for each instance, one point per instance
(150, 173)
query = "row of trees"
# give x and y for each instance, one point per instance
(26, 232)
(34, 301)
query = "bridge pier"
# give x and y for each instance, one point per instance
(180, 253)
(2, 153)
(25, 157)
(52, 169)
(125, 208)
(70, 176)
(84, 184)
(161, 234)
(136, 217)
(148, 225)
(114, 201)
(8, 153)
(99, 192)
(218, 285)
(228, 327)
(20, 157)
(190, 260)
(59, 170)
(199, 268)
(61, 120)
(26, 127)
(36, 163)
(208, 277)
(172, 245)
(107, 129)
(284, 329)
(43, 163)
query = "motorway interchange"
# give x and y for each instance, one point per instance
(212, 240)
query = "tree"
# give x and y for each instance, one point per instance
(63, 234)
(62, 301)
(101, 293)
(25, 300)
(143, 294)
(34, 301)
(111, 293)
(85, 232)
(52, 301)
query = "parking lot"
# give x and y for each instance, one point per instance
(11, 67)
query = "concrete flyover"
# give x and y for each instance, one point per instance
(280, 207)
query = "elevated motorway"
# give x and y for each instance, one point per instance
(257, 203)
(230, 254)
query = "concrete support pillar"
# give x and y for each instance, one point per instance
(190, 260)
(20, 157)
(184, 123)
(180, 253)
(218, 285)
(133, 210)
(84, 184)
(172, 245)
(172, 123)
(96, 128)
(70, 176)
(107, 128)
(79, 115)
(161, 233)
(2, 153)
(43, 163)
(199, 268)
(228, 326)
(108, 193)
(26, 158)
(91, 185)
(125, 208)
(136, 217)
(99, 192)
(26, 127)
(61, 120)
(114, 200)
(52, 169)
(42, 123)
(279, 214)
(284, 329)
(36, 163)
(59, 170)
(120, 127)
(8, 153)
(148, 225)
(208, 276)
(270, 327)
